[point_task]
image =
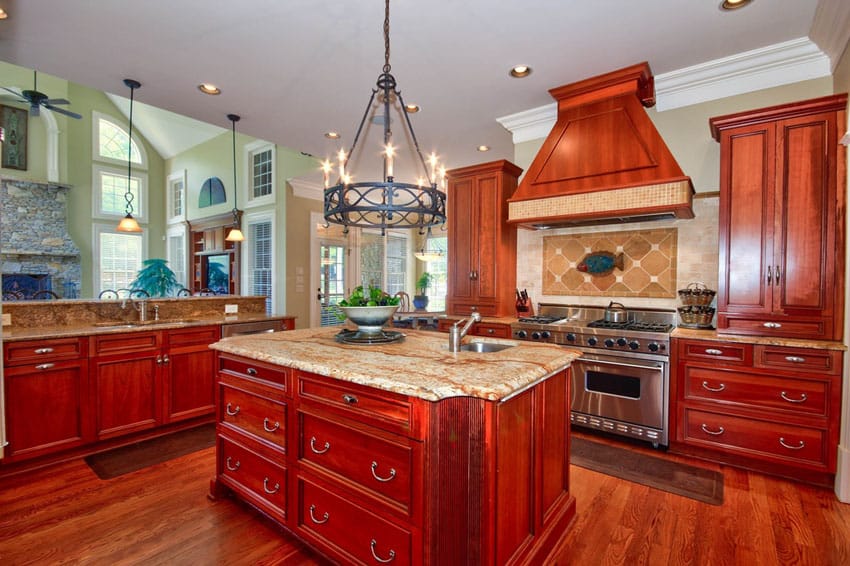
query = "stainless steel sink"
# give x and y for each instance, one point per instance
(484, 347)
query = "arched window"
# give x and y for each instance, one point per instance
(112, 142)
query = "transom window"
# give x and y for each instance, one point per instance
(262, 173)
(112, 142)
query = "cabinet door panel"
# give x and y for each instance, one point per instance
(462, 239)
(489, 219)
(190, 387)
(127, 394)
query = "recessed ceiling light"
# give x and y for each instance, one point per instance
(483, 148)
(520, 71)
(3, 14)
(411, 108)
(332, 135)
(208, 88)
(734, 4)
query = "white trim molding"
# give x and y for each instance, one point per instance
(304, 188)
(831, 28)
(530, 124)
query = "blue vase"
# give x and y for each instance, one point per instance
(420, 302)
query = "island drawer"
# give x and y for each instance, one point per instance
(798, 359)
(350, 532)
(739, 354)
(384, 409)
(40, 351)
(259, 481)
(380, 464)
(492, 329)
(193, 336)
(809, 396)
(262, 418)
(254, 370)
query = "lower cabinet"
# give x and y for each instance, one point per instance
(775, 409)
(491, 329)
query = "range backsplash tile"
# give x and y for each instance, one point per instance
(649, 267)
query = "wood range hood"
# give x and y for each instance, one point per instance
(603, 162)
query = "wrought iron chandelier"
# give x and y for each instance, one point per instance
(386, 203)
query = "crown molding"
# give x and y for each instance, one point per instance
(530, 124)
(831, 28)
(304, 188)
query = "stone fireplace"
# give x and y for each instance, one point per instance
(37, 253)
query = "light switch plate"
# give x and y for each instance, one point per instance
(7, 319)
(231, 309)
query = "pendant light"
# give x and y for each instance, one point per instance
(128, 223)
(235, 234)
(427, 253)
(386, 203)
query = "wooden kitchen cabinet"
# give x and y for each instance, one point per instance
(47, 403)
(491, 329)
(770, 408)
(782, 180)
(190, 370)
(482, 245)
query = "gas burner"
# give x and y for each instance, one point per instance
(631, 325)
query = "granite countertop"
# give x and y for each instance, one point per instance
(697, 334)
(420, 366)
(16, 333)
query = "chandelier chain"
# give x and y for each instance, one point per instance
(387, 38)
(128, 195)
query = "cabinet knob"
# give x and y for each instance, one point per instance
(350, 399)
(251, 371)
(769, 276)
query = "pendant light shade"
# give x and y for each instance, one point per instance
(235, 234)
(428, 252)
(128, 223)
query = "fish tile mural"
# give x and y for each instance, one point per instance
(638, 263)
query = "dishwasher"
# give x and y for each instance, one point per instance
(256, 327)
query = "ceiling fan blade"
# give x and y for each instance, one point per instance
(57, 101)
(62, 111)
(17, 94)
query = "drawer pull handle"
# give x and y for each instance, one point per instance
(266, 425)
(251, 371)
(769, 276)
(350, 399)
(491, 330)
(230, 467)
(372, 546)
(789, 447)
(43, 350)
(707, 430)
(313, 446)
(379, 478)
(713, 352)
(802, 399)
(232, 412)
(713, 389)
(266, 487)
(44, 366)
(772, 325)
(795, 359)
(313, 518)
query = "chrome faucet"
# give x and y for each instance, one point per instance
(142, 307)
(456, 333)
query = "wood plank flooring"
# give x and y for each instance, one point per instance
(161, 515)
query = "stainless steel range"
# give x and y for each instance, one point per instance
(621, 382)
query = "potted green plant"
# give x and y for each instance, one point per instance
(420, 299)
(156, 279)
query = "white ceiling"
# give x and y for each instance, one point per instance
(295, 69)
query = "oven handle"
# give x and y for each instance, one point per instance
(658, 367)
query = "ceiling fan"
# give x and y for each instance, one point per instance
(38, 100)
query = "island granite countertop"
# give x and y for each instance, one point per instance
(421, 365)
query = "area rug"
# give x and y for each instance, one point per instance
(120, 461)
(689, 481)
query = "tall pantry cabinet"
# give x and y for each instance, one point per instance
(482, 245)
(782, 184)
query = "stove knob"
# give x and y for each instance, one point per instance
(545, 334)
(653, 347)
(609, 343)
(535, 335)
(634, 344)
(621, 342)
(571, 337)
(521, 334)
(591, 341)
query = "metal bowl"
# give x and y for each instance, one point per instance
(369, 320)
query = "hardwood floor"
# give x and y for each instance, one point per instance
(161, 515)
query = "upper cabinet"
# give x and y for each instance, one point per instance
(782, 179)
(482, 245)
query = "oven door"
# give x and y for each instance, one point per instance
(621, 389)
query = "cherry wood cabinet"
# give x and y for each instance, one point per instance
(782, 185)
(47, 408)
(774, 409)
(375, 476)
(189, 373)
(491, 329)
(482, 245)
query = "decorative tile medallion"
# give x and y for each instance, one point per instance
(643, 264)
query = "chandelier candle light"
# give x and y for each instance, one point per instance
(128, 223)
(386, 203)
(235, 234)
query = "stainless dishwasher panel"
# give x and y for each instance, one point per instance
(257, 327)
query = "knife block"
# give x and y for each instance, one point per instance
(524, 308)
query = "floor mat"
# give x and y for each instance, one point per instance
(120, 461)
(689, 481)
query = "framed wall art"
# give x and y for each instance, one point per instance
(14, 124)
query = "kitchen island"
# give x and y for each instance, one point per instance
(402, 453)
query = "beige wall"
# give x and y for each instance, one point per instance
(300, 294)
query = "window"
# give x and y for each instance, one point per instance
(119, 258)
(384, 261)
(110, 142)
(176, 254)
(439, 275)
(262, 172)
(260, 184)
(176, 197)
(259, 260)
(110, 187)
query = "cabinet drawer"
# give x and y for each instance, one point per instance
(253, 369)
(798, 359)
(260, 417)
(465, 309)
(719, 351)
(494, 330)
(353, 533)
(126, 342)
(384, 409)
(381, 464)
(812, 330)
(193, 336)
(756, 438)
(809, 396)
(260, 481)
(40, 351)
